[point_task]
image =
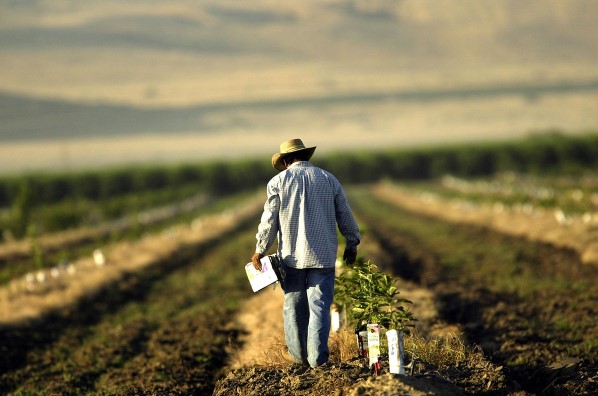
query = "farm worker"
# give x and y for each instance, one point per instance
(304, 205)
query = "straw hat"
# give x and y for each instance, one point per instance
(291, 146)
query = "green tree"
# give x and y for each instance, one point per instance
(87, 185)
(117, 183)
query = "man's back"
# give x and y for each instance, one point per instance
(311, 201)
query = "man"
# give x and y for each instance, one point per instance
(303, 208)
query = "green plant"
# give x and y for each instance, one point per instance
(36, 251)
(370, 296)
(21, 210)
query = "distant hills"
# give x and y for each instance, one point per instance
(75, 69)
(409, 31)
(31, 119)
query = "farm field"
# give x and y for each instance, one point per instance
(134, 136)
(87, 344)
(523, 308)
(527, 304)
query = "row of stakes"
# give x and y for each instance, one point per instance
(561, 217)
(512, 186)
(42, 280)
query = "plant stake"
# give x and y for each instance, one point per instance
(335, 318)
(362, 343)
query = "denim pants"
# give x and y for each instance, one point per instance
(308, 294)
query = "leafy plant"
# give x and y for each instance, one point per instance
(371, 296)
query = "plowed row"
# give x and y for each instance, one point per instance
(161, 330)
(530, 306)
(169, 329)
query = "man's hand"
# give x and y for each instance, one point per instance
(255, 259)
(350, 254)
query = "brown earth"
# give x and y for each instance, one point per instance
(537, 225)
(521, 350)
(258, 367)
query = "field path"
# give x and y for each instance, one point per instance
(260, 318)
(262, 339)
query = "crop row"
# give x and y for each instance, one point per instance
(466, 257)
(526, 304)
(158, 331)
(27, 258)
(570, 195)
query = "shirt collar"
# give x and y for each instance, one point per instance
(300, 164)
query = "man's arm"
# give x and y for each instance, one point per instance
(345, 220)
(347, 225)
(268, 227)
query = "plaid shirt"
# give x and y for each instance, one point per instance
(303, 207)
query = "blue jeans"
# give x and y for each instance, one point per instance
(308, 294)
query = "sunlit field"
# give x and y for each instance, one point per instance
(135, 146)
(499, 237)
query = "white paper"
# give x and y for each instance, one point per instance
(257, 279)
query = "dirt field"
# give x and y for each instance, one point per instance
(525, 350)
(190, 325)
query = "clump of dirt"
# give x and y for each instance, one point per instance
(258, 366)
(541, 337)
(473, 375)
(351, 378)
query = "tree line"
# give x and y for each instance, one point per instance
(538, 154)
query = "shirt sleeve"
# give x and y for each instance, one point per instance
(344, 218)
(268, 227)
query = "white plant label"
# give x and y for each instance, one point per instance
(396, 351)
(374, 342)
(335, 318)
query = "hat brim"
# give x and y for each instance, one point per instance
(278, 157)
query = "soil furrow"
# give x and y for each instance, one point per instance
(159, 330)
(541, 335)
